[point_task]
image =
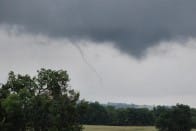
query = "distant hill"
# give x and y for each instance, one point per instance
(125, 105)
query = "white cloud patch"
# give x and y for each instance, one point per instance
(166, 75)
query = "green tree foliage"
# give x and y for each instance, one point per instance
(193, 117)
(41, 103)
(94, 114)
(97, 114)
(176, 118)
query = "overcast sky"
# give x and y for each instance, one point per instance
(131, 51)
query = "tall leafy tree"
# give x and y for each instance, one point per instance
(42, 103)
(176, 118)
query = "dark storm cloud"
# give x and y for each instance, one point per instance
(133, 25)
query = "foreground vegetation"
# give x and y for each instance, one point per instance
(121, 128)
(46, 103)
(41, 103)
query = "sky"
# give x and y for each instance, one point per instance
(129, 51)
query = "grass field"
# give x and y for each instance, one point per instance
(120, 128)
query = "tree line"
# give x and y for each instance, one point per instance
(165, 118)
(97, 114)
(46, 102)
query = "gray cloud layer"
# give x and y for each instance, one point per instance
(134, 25)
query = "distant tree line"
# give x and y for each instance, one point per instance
(97, 114)
(165, 118)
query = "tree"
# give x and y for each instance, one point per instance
(193, 117)
(176, 118)
(94, 113)
(42, 103)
